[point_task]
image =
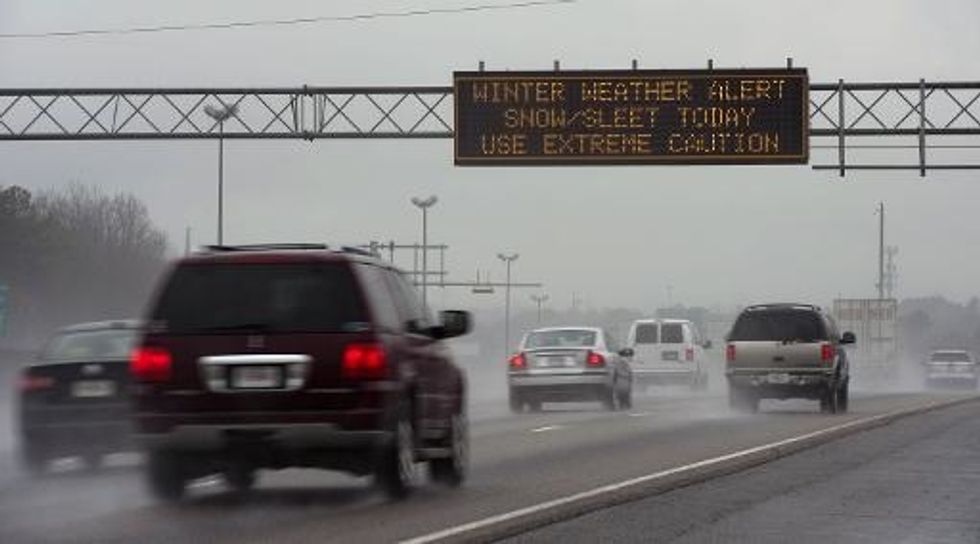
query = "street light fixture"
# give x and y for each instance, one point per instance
(507, 259)
(220, 115)
(424, 205)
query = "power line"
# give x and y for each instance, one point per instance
(280, 22)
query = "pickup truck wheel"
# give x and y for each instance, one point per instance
(397, 472)
(742, 400)
(842, 397)
(451, 471)
(165, 476)
(829, 399)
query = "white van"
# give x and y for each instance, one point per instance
(668, 351)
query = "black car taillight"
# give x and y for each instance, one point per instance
(29, 383)
(150, 364)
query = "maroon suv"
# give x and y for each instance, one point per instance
(261, 357)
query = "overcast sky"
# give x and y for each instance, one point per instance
(617, 236)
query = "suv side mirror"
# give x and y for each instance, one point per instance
(453, 323)
(848, 338)
(707, 344)
(626, 352)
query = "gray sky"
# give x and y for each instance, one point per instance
(615, 235)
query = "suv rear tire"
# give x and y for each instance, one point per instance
(843, 395)
(397, 472)
(829, 400)
(451, 471)
(165, 476)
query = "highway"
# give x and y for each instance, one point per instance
(518, 461)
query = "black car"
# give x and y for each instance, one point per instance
(74, 398)
(267, 357)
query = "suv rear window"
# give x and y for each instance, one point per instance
(646, 334)
(291, 297)
(779, 325)
(672, 333)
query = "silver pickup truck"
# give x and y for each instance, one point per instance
(787, 351)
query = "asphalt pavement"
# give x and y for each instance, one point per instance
(916, 480)
(517, 461)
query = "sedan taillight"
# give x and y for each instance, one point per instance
(595, 360)
(518, 361)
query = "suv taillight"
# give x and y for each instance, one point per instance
(29, 383)
(689, 354)
(730, 353)
(518, 361)
(595, 359)
(149, 364)
(827, 353)
(364, 362)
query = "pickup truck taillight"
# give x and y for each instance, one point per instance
(730, 353)
(827, 353)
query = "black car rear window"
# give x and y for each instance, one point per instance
(779, 325)
(288, 297)
(90, 345)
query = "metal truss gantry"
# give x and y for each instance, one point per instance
(863, 126)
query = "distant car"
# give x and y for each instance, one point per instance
(74, 399)
(787, 351)
(954, 367)
(295, 355)
(668, 351)
(569, 364)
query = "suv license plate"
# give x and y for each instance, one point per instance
(88, 389)
(256, 377)
(778, 378)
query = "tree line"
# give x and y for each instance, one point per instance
(72, 255)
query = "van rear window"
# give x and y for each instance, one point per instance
(646, 333)
(672, 333)
(779, 325)
(287, 297)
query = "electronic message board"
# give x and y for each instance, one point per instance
(750, 116)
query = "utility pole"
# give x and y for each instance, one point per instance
(424, 205)
(187, 241)
(508, 260)
(539, 300)
(890, 270)
(221, 115)
(881, 251)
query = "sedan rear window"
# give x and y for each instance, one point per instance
(91, 345)
(569, 338)
(779, 325)
(267, 297)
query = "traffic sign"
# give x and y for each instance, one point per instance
(754, 116)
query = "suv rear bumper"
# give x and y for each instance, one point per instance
(298, 436)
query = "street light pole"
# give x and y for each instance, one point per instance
(424, 205)
(539, 300)
(507, 259)
(220, 115)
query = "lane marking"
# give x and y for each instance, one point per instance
(640, 414)
(774, 447)
(547, 428)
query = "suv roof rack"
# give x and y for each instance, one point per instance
(358, 251)
(783, 305)
(268, 247)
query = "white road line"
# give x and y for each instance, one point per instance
(640, 414)
(547, 428)
(612, 488)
